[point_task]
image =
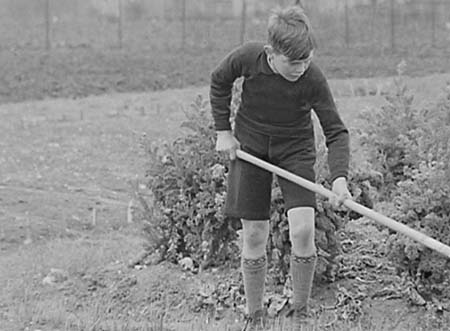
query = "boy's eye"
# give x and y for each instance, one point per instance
(296, 63)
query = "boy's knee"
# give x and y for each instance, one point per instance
(255, 234)
(301, 229)
(301, 220)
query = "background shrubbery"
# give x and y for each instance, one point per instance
(410, 145)
(187, 178)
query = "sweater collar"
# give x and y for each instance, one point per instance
(264, 64)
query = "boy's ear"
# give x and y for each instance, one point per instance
(268, 49)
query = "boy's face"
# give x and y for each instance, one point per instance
(290, 70)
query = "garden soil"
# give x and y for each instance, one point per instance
(68, 168)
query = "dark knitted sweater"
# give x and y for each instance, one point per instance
(275, 106)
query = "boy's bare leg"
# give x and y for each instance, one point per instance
(254, 263)
(303, 256)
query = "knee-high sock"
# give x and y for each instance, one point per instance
(254, 274)
(302, 271)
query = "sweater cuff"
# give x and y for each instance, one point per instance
(222, 126)
(338, 174)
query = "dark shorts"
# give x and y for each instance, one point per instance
(249, 187)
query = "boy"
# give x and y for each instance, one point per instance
(281, 86)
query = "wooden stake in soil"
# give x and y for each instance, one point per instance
(130, 211)
(28, 240)
(384, 220)
(94, 217)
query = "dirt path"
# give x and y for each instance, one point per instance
(60, 159)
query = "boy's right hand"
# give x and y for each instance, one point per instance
(226, 142)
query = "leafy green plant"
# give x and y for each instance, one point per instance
(392, 135)
(410, 146)
(187, 179)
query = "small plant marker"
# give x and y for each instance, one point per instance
(94, 217)
(28, 240)
(130, 211)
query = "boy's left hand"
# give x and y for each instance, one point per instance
(341, 191)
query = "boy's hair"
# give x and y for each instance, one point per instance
(290, 33)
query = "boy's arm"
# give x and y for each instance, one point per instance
(222, 79)
(337, 141)
(336, 133)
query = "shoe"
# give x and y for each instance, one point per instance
(254, 322)
(302, 320)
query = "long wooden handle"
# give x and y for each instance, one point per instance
(384, 220)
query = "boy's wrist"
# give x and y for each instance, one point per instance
(339, 182)
(223, 132)
(340, 179)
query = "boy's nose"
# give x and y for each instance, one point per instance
(300, 67)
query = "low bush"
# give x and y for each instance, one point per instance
(187, 179)
(410, 146)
